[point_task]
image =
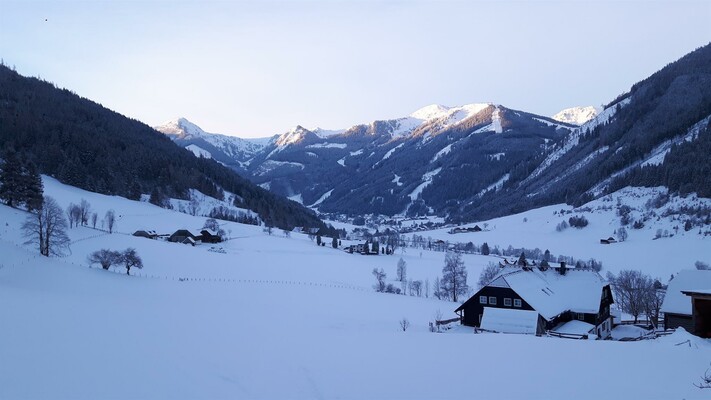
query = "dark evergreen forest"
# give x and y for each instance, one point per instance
(84, 144)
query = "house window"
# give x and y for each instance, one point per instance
(492, 300)
(580, 316)
(517, 302)
(507, 302)
(482, 299)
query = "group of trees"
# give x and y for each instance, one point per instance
(451, 286)
(637, 293)
(106, 258)
(20, 182)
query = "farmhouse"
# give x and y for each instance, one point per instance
(146, 234)
(181, 234)
(677, 307)
(609, 240)
(534, 300)
(210, 236)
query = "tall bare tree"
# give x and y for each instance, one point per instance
(84, 210)
(454, 276)
(110, 220)
(401, 270)
(47, 228)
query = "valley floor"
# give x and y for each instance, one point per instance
(277, 317)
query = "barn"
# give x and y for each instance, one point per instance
(536, 300)
(677, 307)
(210, 236)
(180, 235)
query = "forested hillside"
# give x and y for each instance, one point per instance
(657, 134)
(84, 144)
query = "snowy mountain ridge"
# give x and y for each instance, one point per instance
(577, 115)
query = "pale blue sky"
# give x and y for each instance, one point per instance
(259, 68)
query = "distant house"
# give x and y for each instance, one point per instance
(460, 229)
(146, 234)
(535, 300)
(181, 234)
(677, 307)
(609, 240)
(210, 236)
(700, 311)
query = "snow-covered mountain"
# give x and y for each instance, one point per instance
(577, 115)
(483, 160)
(386, 166)
(229, 150)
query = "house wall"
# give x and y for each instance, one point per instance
(472, 309)
(702, 317)
(673, 321)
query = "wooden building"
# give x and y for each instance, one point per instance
(677, 307)
(146, 234)
(210, 236)
(700, 312)
(180, 235)
(555, 295)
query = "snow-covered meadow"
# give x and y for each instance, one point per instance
(278, 317)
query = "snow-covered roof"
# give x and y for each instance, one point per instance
(697, 291)
(508, 320)
(574, 327)
(210, 231)
(551, 293)
(677, 302)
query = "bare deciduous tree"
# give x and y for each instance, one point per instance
(401, 270)
(110, 220)
(404, 324)
(633, 289)
(437, 289)
(94, 217)
(488, 274)
(454, 276)
(380, 279)
(47, 227)
(73, 215)
(84, 210)
(193, 206)
(130, 259)
(105, 257)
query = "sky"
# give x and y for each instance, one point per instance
(255, 69)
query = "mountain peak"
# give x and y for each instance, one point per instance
(430, 112)
(577, 115)
(180, 127)
(294, 135)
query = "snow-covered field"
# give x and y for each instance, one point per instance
(641, 251)
(279, 317)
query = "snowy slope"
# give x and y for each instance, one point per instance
(577, 115)
(676, 250)
(275, 309)
(188, 134)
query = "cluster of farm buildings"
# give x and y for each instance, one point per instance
(576, 303)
